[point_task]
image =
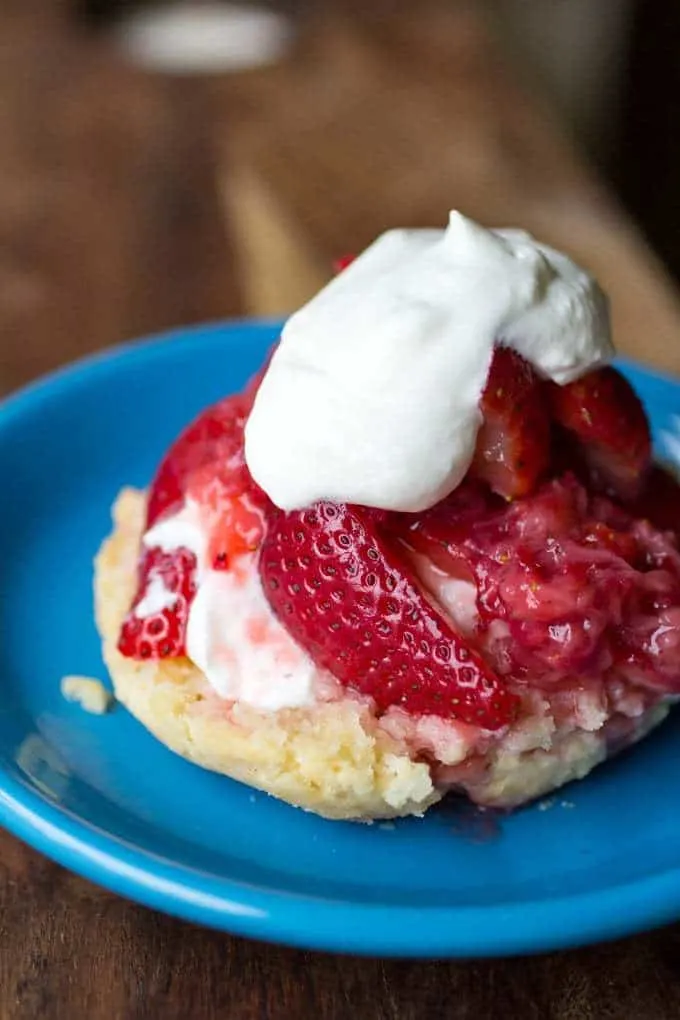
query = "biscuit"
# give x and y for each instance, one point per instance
(331, 758)
(334, 758)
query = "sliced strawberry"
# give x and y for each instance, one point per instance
(568, 584)
(605, 416)
(207, 465)
(211, 447)
(212, 444)
(349, 598)
(155, 626)
(513, 445)
(234, 520)
(443, 532)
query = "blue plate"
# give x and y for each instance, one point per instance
(101, 796)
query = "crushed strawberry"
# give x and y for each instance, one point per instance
(513, 444)
(568, 584)
(350, 598)
(606, 423)
(211, 447)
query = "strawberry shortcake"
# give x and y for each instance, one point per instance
(425, 550)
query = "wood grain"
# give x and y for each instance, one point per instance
(129, 203)
(344, 144)
(70, 950)
(110, 217)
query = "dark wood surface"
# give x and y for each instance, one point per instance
(129, 203)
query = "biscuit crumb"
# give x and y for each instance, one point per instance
(89, 693)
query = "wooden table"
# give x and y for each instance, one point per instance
(129, 203)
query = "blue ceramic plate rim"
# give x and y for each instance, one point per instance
(309, 921)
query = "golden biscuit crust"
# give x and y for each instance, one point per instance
(334, 758)
(331, 758)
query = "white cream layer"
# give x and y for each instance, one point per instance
(372, 397)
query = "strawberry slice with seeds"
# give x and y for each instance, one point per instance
(350, 599)
(206, 465)
(604, 415)
(513, 444)
(234, 520)
(155, 626)
(211, 446)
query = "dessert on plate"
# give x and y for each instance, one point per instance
(425, 550)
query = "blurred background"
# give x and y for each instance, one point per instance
(170, 163)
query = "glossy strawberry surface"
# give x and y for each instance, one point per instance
(513, 444)
(206, 466)
(606, 421)
(349, 597)
(159, 633)
(569, 584)
(564, 582)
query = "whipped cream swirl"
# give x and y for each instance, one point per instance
(373, 395)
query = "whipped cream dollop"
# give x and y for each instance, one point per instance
(232, 635)
(372, 396)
